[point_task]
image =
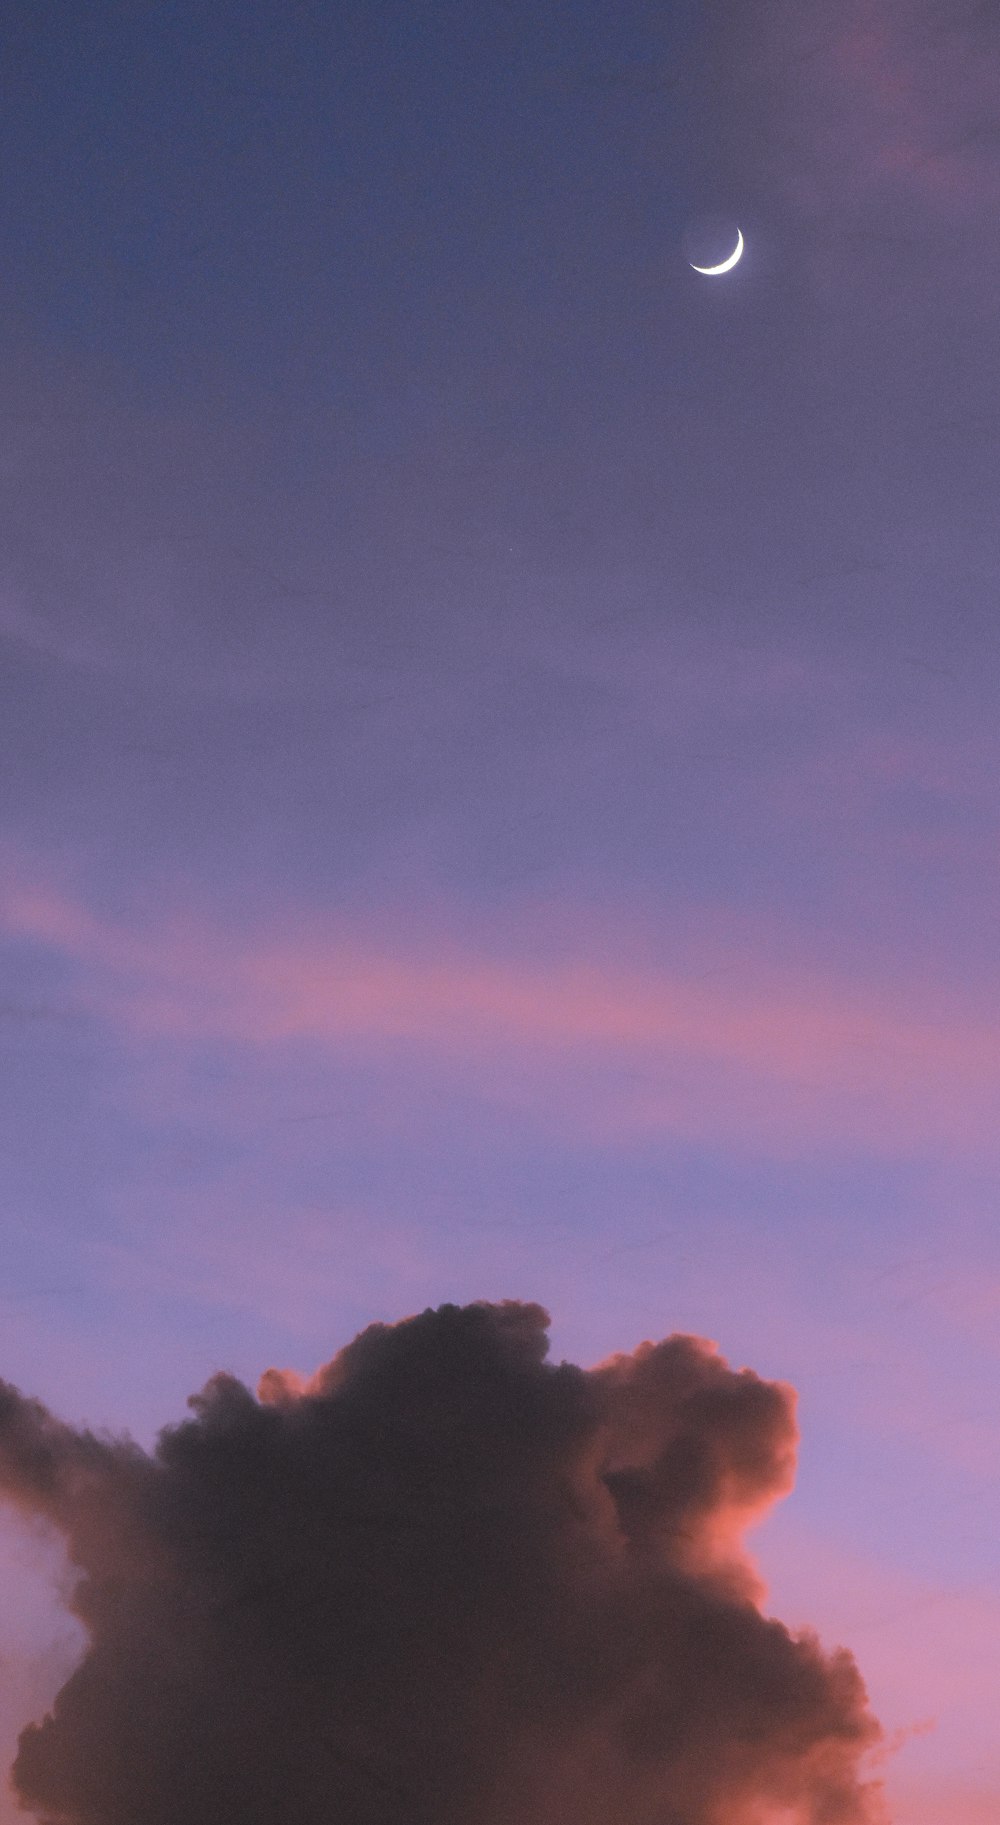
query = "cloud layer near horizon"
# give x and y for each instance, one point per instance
(441, 1579)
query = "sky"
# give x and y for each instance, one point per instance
(499, 743)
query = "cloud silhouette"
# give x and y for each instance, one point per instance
(441, 1580)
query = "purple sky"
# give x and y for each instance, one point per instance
(499, 738)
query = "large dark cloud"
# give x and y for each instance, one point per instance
(444, 1580)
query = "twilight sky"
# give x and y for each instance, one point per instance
(499, 740)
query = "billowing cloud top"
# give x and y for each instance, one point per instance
(443, 1580)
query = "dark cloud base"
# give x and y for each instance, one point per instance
(444, 1580)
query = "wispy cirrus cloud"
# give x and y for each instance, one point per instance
(787, 1057)
(882, 100)
(917, 82)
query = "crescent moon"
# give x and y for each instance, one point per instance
(727, 265)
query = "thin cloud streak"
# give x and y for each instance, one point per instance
(706, 1056)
